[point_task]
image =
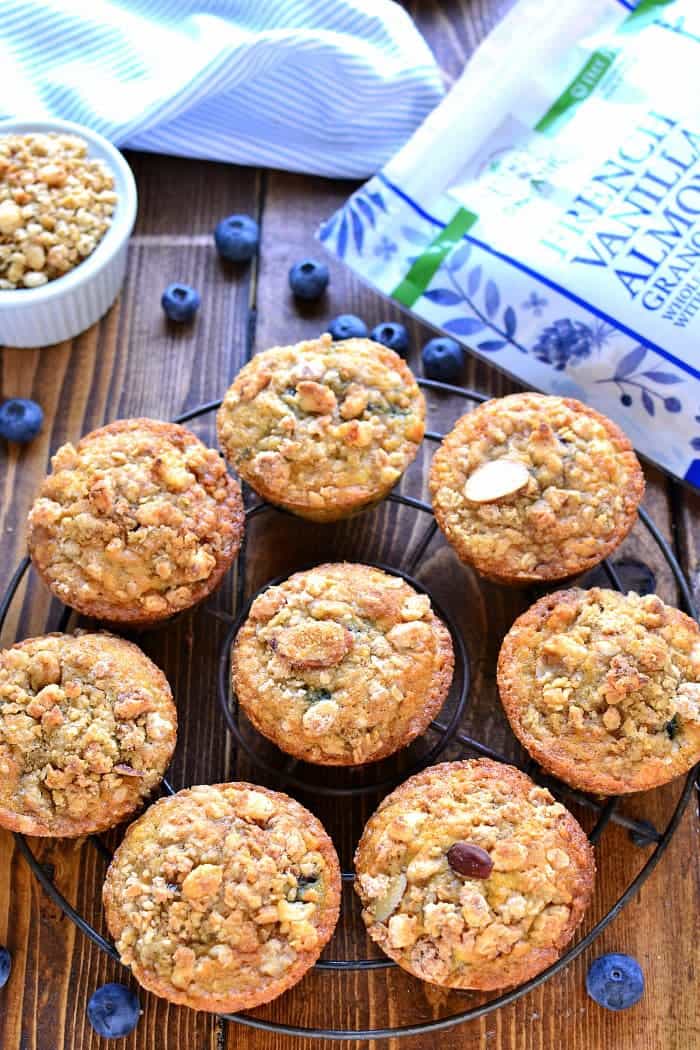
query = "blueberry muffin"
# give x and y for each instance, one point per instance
(136, 522)
(323, 429)
(532, 488)
(222, 897)
(471, 876)
(342, 664)
(603, 689)
(87, 730)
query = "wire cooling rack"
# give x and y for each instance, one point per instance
(447, 732)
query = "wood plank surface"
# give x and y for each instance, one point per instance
(134, 363)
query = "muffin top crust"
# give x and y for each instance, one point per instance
(603, 688)
(135, 522)
(322, 428)
(471, 876)
(532, 487)
(222, 896)
(342, 664)
(87, 729)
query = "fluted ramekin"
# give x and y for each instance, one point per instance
(66, 306)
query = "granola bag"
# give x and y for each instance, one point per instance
(547, 213)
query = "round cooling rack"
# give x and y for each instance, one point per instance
(446, 732)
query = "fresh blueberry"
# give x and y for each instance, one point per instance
(347, 326)
(20, 419)
(615, 981)
(626, 400)
(672, 404)
(113, 1011)
(443, 359)
(5, 966)
(180, 302)
(392, 335)
(237, 238)
(308, 279)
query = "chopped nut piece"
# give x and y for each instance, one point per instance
(496, 480)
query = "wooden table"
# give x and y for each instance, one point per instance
(132, 363)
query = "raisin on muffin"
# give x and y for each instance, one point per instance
(603, 689)
(342, 664)
(87, 730)
(530, 488)
(471, 876)
(136, 522)
(221, 897)
(323, 429)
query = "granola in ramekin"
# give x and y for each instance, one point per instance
(221, 897)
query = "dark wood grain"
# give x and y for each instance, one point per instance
(134, 363)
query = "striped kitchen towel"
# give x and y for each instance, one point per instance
(330, 87)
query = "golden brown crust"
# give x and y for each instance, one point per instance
(138, 521)
(323, 429)
(468, 932)
(342, 664)
(87, 730)
(579, 503)
(222, 896)
(603, 689)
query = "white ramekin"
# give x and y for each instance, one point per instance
(61, 309)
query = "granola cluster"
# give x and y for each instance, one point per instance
(342, 664)
(604, 688)
(322, 428)
(577, 499)
(136, 522)
(222, 896)
(87, 729)
(470, 932)
(56, 204)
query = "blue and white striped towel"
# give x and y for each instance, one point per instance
(331, 87)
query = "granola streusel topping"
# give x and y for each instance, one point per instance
(579, 499)
(604, 688)
(138, 520)
(342, 664)
(471, 932)
(321, 427)
(222, 896)
(87, 729)
(56, 204)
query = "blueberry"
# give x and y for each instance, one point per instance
(113, 1011)
(443, 360)
(392, 335)
(308, 279)
(615, 981)
(237, 238)
(626, 400)
(672, 404)
(20, 419)
(5, 966)
(347, 326)
(180, 302)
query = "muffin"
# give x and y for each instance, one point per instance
(136, 522)
(603, 689)
(531, 488)
(471, 876)
(342, 664)
(221, 897)
(323, 429)
(87, 730)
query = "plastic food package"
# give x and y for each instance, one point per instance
(547, 213)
